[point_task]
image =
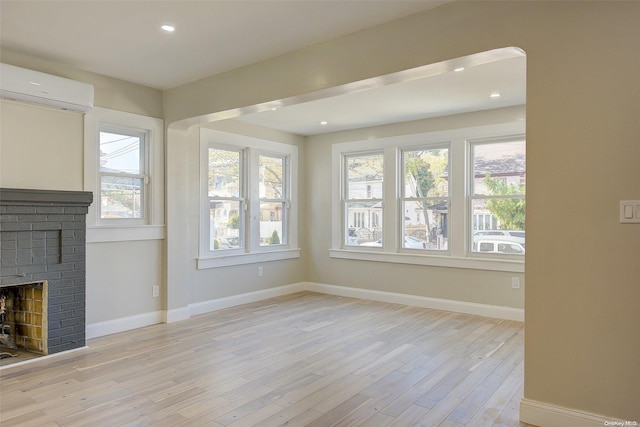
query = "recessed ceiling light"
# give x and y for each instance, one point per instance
(168, 28)
(459, 69)
(324, 123)
(495, 95)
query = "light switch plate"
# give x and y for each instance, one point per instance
(630, 211)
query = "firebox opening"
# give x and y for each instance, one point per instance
(23, 317)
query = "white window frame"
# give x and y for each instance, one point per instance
(458, 254)
(143, 135)
(251, 252)
(152, 227)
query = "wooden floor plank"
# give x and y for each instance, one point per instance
(296, 360)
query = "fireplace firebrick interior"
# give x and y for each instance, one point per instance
(43, 241)
(25, 314)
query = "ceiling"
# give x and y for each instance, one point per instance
(122, 39)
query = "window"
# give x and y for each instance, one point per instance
(123, 177)
(497, 196)
(124, 169)
(363, 194)
(273, 200)
(249, 210)
(226, 199)
(451, 198)
(425, 198)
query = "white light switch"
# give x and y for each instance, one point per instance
(630, 211)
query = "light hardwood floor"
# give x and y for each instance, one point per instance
(302, 359)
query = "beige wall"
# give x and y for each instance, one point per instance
(43, 148)
(475, 286)
(40, 147)
(582, 296)
(120, 276)
(186, 284)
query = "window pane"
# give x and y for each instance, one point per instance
(364, 176)
(425, 224)
(271, 223)
(271, 177)
(499, 168)
(224, 173)
(225, 219)
(120, 153)
(426, 173)
(364, 224)
(498, 221)
(121, 197)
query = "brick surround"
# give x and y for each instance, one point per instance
(42, 239)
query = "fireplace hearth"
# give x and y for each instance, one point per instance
(42, 268)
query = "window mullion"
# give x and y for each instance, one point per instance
(390, 196)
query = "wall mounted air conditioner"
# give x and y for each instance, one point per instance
(21, 84)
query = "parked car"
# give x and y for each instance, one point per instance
(227, 242)
(409, 242)
(499, 247)
(508, 235)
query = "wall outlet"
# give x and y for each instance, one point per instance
(259, 271)
(155, 291)
(515, 283)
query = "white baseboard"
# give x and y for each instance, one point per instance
(546, 415)
(175, 315)
(235, 300)
(99, 329)
(122, 324)
(496, 311)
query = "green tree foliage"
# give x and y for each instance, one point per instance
(271, 173)
(510, 212)
(234, 221)
(274, 239)
(420, 169)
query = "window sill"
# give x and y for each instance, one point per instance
(125, 233)
(251, 258)
(513, 266)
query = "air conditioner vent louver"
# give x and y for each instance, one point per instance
(21, 84)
